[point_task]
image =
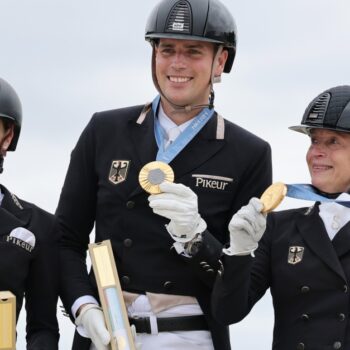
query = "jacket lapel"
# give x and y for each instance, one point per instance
(143, 140)
(341, 241)
(12, 214)
(144, 143)
(202, 147)
(314, 233)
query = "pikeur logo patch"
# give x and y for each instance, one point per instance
(212, 181)
(119, 171)
(18, 242)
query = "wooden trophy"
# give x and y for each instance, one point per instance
(111, 296)
(7, 321)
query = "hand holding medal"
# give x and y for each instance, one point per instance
(248, 225)
(174, 201)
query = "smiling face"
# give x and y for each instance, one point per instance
(328, 159)
(183, 71)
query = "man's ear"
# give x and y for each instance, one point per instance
(7, 139)
(221, 62)
(220, 65)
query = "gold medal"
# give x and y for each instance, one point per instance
(153, 174)
(273, 196)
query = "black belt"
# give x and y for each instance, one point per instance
(170, 324)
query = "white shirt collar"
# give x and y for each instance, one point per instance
(167, 124)
(334, 215)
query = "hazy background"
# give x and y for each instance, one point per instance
(68, 59)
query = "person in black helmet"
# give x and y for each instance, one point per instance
(28, 250)
(166, 245)
(304, 254)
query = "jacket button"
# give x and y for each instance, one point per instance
(341, 317)
(305, 317)
(127, 242)
(126, 279)
(337, 345)
(345, 288)
(168, 284)
(301, 346)
(305, 289)
(130, 204)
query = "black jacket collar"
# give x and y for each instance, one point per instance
(13, 212)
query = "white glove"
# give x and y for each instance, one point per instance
(92, 319)
(246, 228)
(178, 203)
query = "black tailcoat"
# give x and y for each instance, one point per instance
(309, 287)
(31, 272)
(236, 167)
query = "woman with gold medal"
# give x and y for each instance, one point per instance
(304, 254)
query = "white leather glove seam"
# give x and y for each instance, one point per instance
(83, 312)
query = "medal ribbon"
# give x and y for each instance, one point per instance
(307, 192)
(183, 139)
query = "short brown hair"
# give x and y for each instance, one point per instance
(6, 122)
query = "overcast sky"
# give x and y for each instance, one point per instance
(68, 59)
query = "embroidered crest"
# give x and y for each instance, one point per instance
(119, 171)
(295, 255)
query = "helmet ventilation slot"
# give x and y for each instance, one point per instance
(319, 108)
(180, 18)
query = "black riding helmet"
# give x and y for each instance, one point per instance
(329, 110)
(203, 20)
(11, 109)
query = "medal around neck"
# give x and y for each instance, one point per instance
(153, 174)
(273, 196)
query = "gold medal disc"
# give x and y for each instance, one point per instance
(273, 196)
(153, 174)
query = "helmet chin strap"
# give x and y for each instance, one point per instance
(2, 156)
(188, 108)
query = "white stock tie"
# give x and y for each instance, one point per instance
(172, 135)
